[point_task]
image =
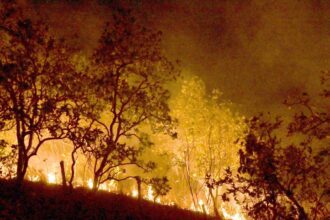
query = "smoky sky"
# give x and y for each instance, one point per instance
(256, 52)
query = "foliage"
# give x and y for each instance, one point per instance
(38, 84)
(129, 75)
(160, 186)
(285, 178)
(206, 134)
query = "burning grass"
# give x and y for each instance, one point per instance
(42, 201)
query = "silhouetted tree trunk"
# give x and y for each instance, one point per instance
(63, 174)
(215, 205)
(73, 164)
(188, 176)
(138, 182)
(301, 212)
(22, 165)
(96, 182)
(19, 170)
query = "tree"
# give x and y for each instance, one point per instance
(160, 187)
(130, 73)
(206, 134)
(283, 174)
(38, 84)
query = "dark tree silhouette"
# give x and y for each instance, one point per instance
(38, 84)
(285, 178)
(129, 76)
(160, 186)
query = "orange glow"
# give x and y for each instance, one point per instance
(135, 193)
(51, 178)
(111, 186)
(44, 167)
(149, 195)
(236, 216)
(34, 178)
(90, 183)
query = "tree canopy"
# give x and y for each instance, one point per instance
(38, 84)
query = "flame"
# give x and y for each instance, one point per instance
(150, 193)
(202, 207)
(104, 187)
(34, 178)
(135, 193)
(107, 186)
(236, 216)
(90, 183)
(51, 178)
(111, 186)
(233, 213)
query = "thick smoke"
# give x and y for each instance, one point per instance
(256, 52)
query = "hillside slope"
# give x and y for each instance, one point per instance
(41, 201)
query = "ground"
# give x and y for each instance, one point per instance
(42, 201)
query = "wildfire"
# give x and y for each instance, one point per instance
(236, 216)
(34, 178)
(111, 186)
(135, 193)
(90, 183)
(150, 193)
(51, 178)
